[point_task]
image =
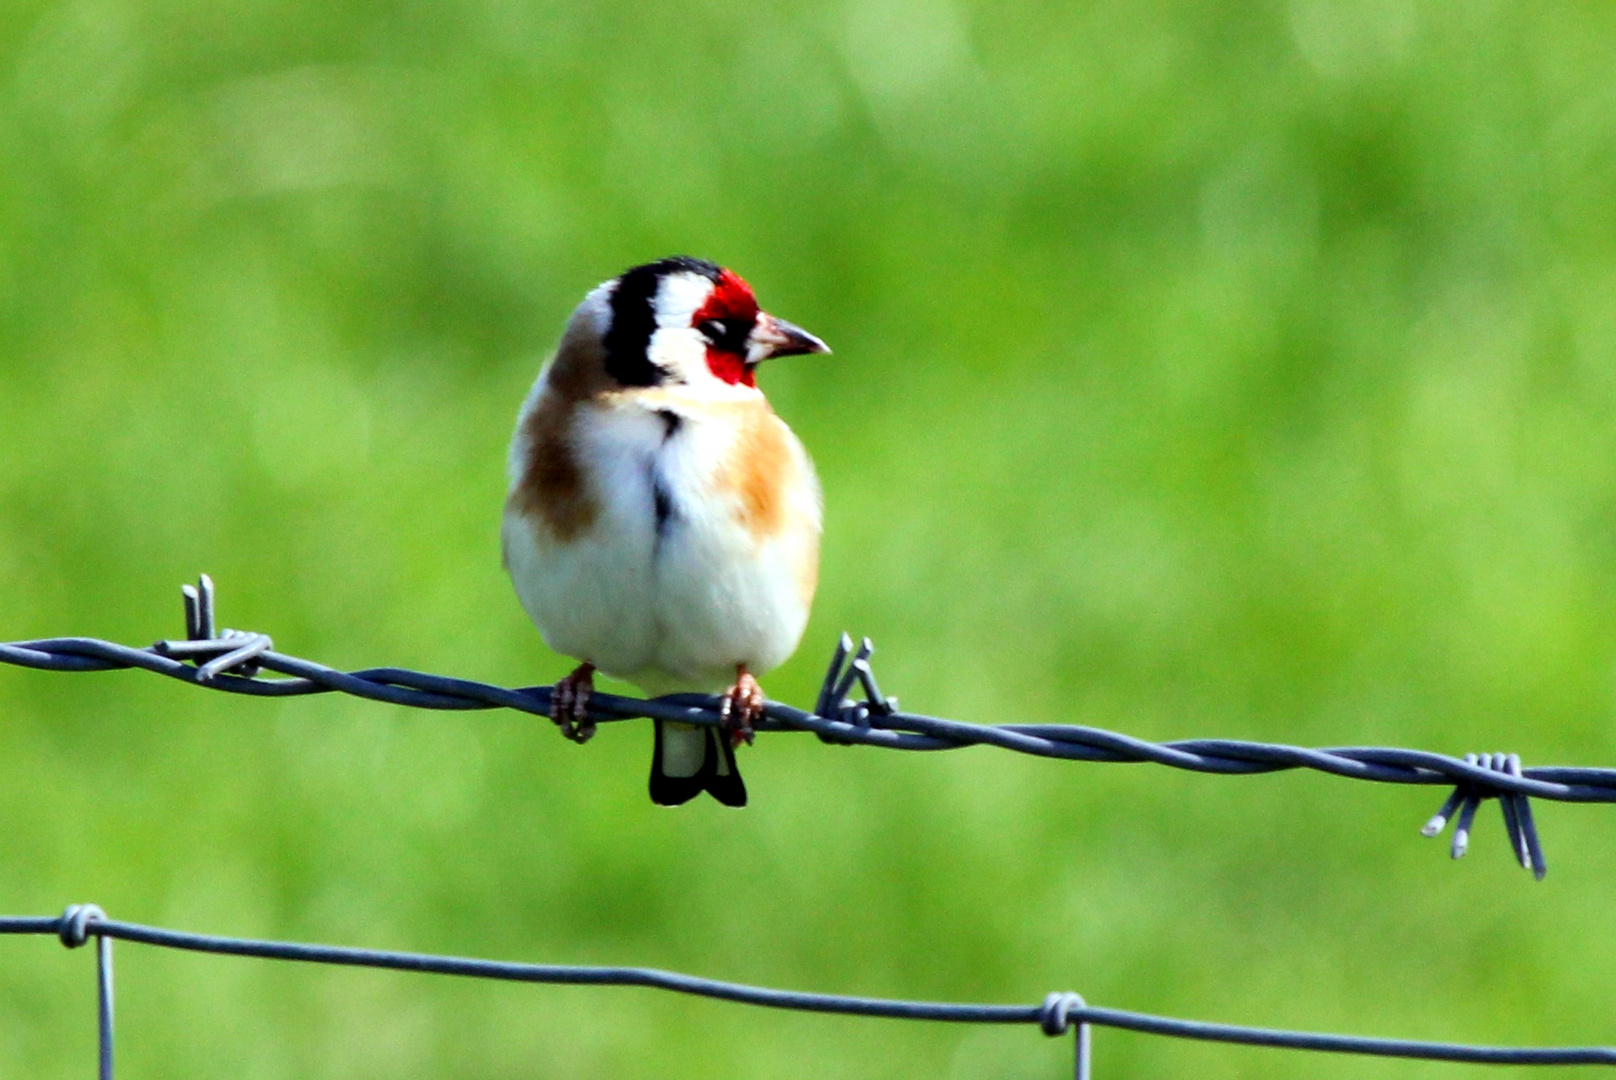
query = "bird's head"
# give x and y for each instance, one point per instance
(685, 321)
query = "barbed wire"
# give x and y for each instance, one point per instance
(232, 660)
(1059, 1012)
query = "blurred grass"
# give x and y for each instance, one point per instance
(1243, 370)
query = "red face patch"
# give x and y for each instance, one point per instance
(726, 319)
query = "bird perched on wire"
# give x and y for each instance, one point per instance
(663, 523)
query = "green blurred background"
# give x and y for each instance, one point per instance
(1242, 369)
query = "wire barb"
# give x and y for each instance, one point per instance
(833, 703)
(215, 653)
(1467, 797)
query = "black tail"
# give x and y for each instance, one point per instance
(675, 753)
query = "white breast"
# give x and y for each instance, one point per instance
(671, 600)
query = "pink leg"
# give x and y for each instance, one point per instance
(743, 707)
(569, 703)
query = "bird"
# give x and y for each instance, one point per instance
(662, 524)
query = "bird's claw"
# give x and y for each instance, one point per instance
(569, 704)
(742, 708)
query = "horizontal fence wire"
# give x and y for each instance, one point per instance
(232, 661)
(1056, 1015)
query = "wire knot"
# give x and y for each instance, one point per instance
(1054, 1017)
(1518, 822)
(74, 926)
(215, 652)
(833, 702)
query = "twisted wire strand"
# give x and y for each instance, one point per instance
(1058, 1013)
(895, 730)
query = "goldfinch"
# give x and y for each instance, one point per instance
(662, 524)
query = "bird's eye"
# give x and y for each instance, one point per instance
(726, 334)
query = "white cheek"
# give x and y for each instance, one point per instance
(680, 351)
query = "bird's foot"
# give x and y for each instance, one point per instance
(569, 704)
(743, 707)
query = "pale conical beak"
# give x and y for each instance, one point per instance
(775, 337)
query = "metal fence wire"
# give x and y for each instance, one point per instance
(1056, 1015)
(233, 661)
